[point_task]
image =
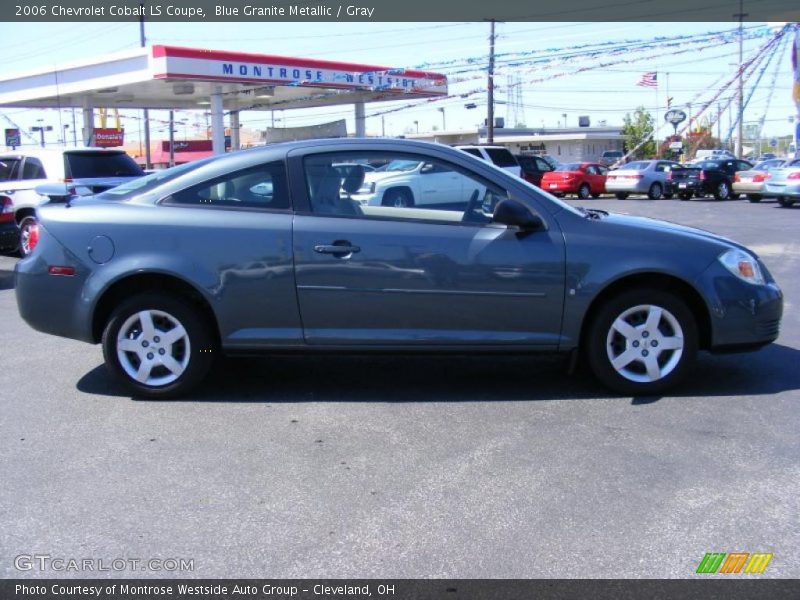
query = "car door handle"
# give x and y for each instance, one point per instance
(336, 249)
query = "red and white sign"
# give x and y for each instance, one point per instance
(108, 138)
(242, 67)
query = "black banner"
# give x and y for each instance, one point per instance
(728, 588)
(406, 10)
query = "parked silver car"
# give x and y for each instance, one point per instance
(784, 184)
(754, 181)
(648, 177)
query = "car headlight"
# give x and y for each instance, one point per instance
(743, 265)
(367, 188)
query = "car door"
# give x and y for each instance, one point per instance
(376, 275)
(438, 185)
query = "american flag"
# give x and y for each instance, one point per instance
(649, 79)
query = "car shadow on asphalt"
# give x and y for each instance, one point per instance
(391, 378)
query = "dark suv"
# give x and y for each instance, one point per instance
(533, 168)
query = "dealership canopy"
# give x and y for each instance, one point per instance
(170, 77)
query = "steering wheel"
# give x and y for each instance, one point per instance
(472, 204)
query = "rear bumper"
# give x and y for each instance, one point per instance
(638, 187)
(781, 189)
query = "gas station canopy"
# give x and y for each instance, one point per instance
(171, 77)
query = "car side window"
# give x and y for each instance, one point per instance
(9, 169)
(743, 166)
(406, 187)
(602, 170)
(263, 187)
(591, 170)
(542, 165)
(33, 169)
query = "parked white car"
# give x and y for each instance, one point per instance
(62, 172)
(404, 183)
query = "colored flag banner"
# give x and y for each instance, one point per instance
(649, 79)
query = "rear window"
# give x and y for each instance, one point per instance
(148, 182)
(9, 168)
(636, 166)
(502, 157)
(612, 154)
(707, 164)
(569, 167)
(83, 165)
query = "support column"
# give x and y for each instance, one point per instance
(235, 140)
(361, 120)
(217, 122)
(88, 124)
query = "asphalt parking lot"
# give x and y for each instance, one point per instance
(410, 467)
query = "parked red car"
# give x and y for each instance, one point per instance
(583, 179)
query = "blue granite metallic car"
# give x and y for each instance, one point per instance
(269, 250)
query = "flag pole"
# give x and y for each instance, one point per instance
(655, 127)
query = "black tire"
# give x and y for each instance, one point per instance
(584, 192)
(722, 191)
(668, 196)
(595, 196)
(621, 195)
(785, 202)
(685, 197)
(24, 235)
(655, 192)
(675, 325)
(398, 198)
(754, 197)
(194, 351)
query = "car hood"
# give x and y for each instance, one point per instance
(645, 224)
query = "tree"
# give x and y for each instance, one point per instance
(635, 130)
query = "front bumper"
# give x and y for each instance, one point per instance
(742, 315)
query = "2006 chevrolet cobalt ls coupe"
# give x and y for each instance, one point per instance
(275, 249)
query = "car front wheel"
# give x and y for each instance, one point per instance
(655, 191)
(785, 202)
(722, 191)
(642, 342)
(158, 345)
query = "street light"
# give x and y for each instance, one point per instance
(565, 119)
(41, 129)
(441, 110)
(416, 123)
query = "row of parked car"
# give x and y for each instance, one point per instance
(721, 177)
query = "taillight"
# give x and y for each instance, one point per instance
(6, 209)
(61, 270)
(737, 180)
(702, 175)
(669, 175)
(757, 178)
(795, 175)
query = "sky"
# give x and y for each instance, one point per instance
(603, 87)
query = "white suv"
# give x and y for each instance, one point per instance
(73, 171)
(499, 156)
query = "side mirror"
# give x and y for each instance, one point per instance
(514, 213)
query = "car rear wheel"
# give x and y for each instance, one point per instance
(158, 345)
(621, 195)
(584, 192)
(655, 191)
(722, 191)
(642, 342)
(785, 202)
(398, 199)
(28, 230)
(754, 197)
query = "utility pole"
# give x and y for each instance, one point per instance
(146, 115)
(490, 123)
(740, 93)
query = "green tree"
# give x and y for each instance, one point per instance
(635, 130)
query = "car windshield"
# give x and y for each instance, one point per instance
(401, 165)
(767, 165)
(707, 164)
(612, 154)
(637, 166)
(569, 167)
(148, 182)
